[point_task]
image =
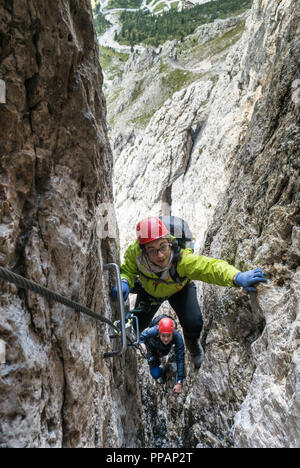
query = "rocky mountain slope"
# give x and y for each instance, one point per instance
(184, 102)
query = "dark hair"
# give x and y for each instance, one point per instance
(177, 251)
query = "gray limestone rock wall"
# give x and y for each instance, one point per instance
(257, 224)
(56, 390)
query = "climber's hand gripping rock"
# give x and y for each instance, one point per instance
(248, 279)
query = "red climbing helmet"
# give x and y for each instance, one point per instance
(166, 325)
(150, 229)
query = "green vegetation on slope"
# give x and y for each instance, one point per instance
(172, 80)
(176, 79)
(191, 52)
(124, 4)
(111, 60)
(156, 29)
(101, 23)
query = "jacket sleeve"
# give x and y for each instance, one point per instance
(129, 268)
(148, 333)
(207, 269)
(179, 352)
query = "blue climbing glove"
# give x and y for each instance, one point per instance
(125, 290)
(128, 315)
(248, 279)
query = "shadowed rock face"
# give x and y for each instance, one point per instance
(56, 389)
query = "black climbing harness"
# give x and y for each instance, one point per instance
(118, 326)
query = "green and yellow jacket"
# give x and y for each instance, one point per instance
(190, 267)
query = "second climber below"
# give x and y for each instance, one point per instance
(165, 272)
(157, 341)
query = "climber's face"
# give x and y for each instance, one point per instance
(165, 337)
(158, 252)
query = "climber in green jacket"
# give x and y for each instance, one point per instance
(157, 270)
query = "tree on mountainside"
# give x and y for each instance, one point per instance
(124, 4)
(155, 29)
(101, 23)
